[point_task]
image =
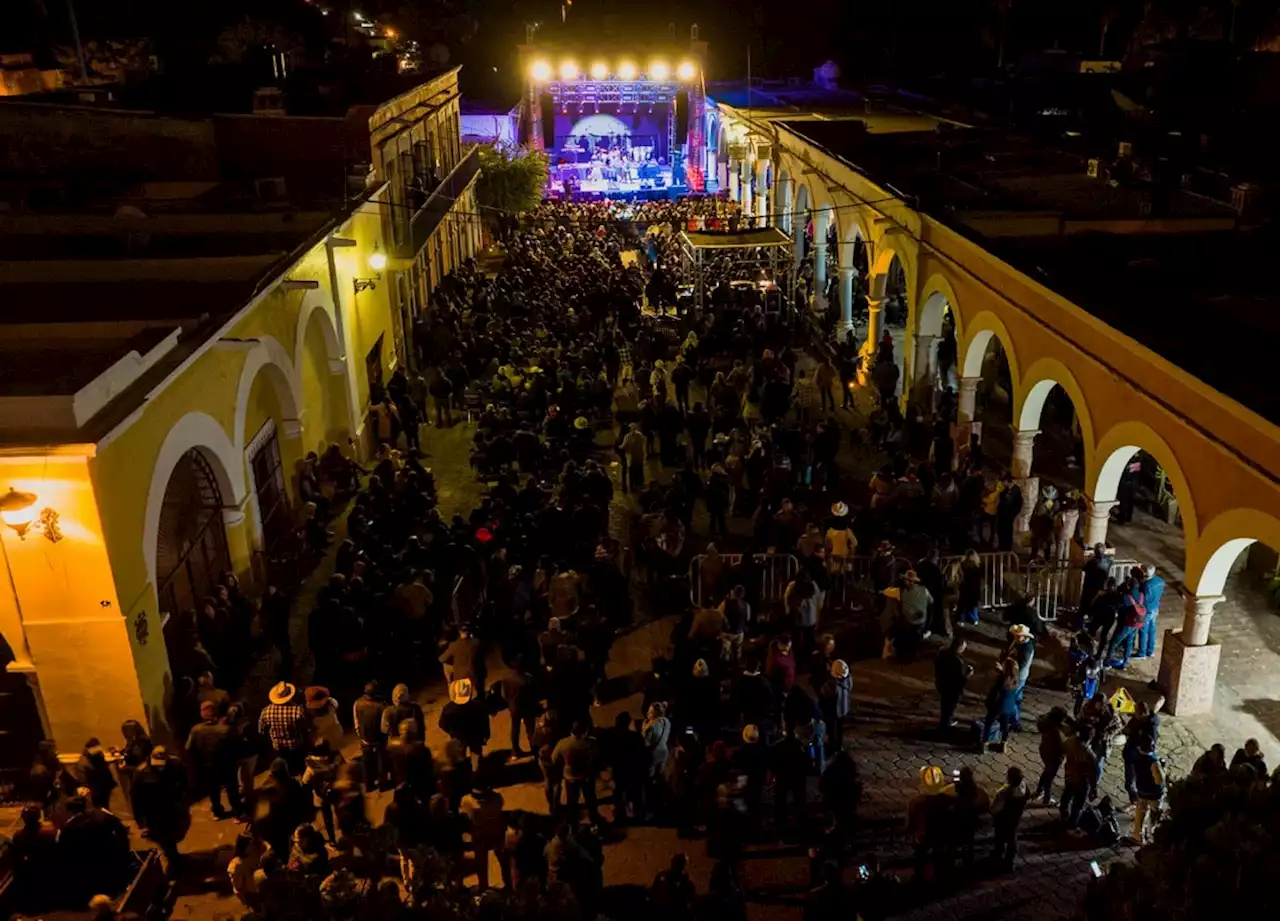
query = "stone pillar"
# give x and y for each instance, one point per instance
(967, 404)
(846, 299)
(782, 205)
(1024, 441)
(1095, 523)
(869, 345)
(763, 193)
(922, 366)
(820, 258)
(1189, 661)
(735, 185)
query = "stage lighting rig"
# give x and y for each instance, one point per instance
(658, 70)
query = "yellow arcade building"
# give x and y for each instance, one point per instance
(169, 355)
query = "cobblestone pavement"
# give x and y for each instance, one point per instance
(893, 735)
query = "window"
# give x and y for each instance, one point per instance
(268, 484)
(373, 369)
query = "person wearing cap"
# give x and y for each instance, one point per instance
(465, 717)
(914, 602)
(285, 725)
(322, 711)
(159, 804)
(212, 761)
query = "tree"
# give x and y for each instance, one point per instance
(1216, 856)
(511, 180)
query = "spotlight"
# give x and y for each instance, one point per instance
(599, 70)
(687, 71)
(627, 70)
(658, 70)
(540, 71)
(568, 71)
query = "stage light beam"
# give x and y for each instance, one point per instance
(658, 70)
(540, 71)
(687, 71)
(599, 70)
(627, 70)
(568, 71)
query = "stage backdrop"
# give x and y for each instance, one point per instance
(644, 128)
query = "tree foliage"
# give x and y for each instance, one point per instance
(511, 179)
(1216, 856)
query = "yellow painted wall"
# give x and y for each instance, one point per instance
(77, 631)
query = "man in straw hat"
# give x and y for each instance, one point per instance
(284, 722)
(928, 818)
(465, 717)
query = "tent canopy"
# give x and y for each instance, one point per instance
(713, 239)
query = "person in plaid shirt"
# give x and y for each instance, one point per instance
(284, 723)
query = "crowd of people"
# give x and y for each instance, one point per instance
(567, 370)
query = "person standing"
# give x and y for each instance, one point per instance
(1006, 811)
(483, 810)
(520, 692)
(1149, 782)
(159, 804)
(367, 719)
(576, 756)
(285, 725)
(657, 736)
(1052, 725)
(1152, 594)
(1002, 702)
(465, 717)
(1096, 571)
(951, 672)
(1022, 650)
(1081, 776)
(212, 764)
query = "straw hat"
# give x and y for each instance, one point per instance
(840, 509)
(911, 576)
(282, 693)
(1020, 631)
(839, 669)
(581, 423)
(932, 780)
(700, 669)
(751, 734)
(159, 755)
(460, 692)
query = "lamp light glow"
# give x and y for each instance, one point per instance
(599, 70)
(627, 70)
(377, 260)
(686, 71)
(540, 71)
(658, 70)
(568, 70)
(18, 509)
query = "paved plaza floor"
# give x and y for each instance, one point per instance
(893, 735)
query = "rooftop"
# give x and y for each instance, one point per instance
(1128, 243)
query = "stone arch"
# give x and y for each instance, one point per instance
(1224, 538)
(334, 412)
(973, 347)
(267, 357)
(936, 294)
(1043, 375)
(194, 431)
(1118, 446)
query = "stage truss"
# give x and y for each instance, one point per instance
(744, 249)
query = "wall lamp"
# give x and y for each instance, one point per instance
(377, 262)
(18, 511)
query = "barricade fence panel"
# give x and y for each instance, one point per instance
(1049, 587)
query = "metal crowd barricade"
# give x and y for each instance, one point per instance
(1055, 586)
(1002, 577)
(776, 572)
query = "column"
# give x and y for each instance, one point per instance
(820, 258)
(967, 404)
(735, 186)
(846, 299)
(1024, 441)
(922, 366)
(867, 352)
(1189, 661)
(1096, 522)
(782, 205)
